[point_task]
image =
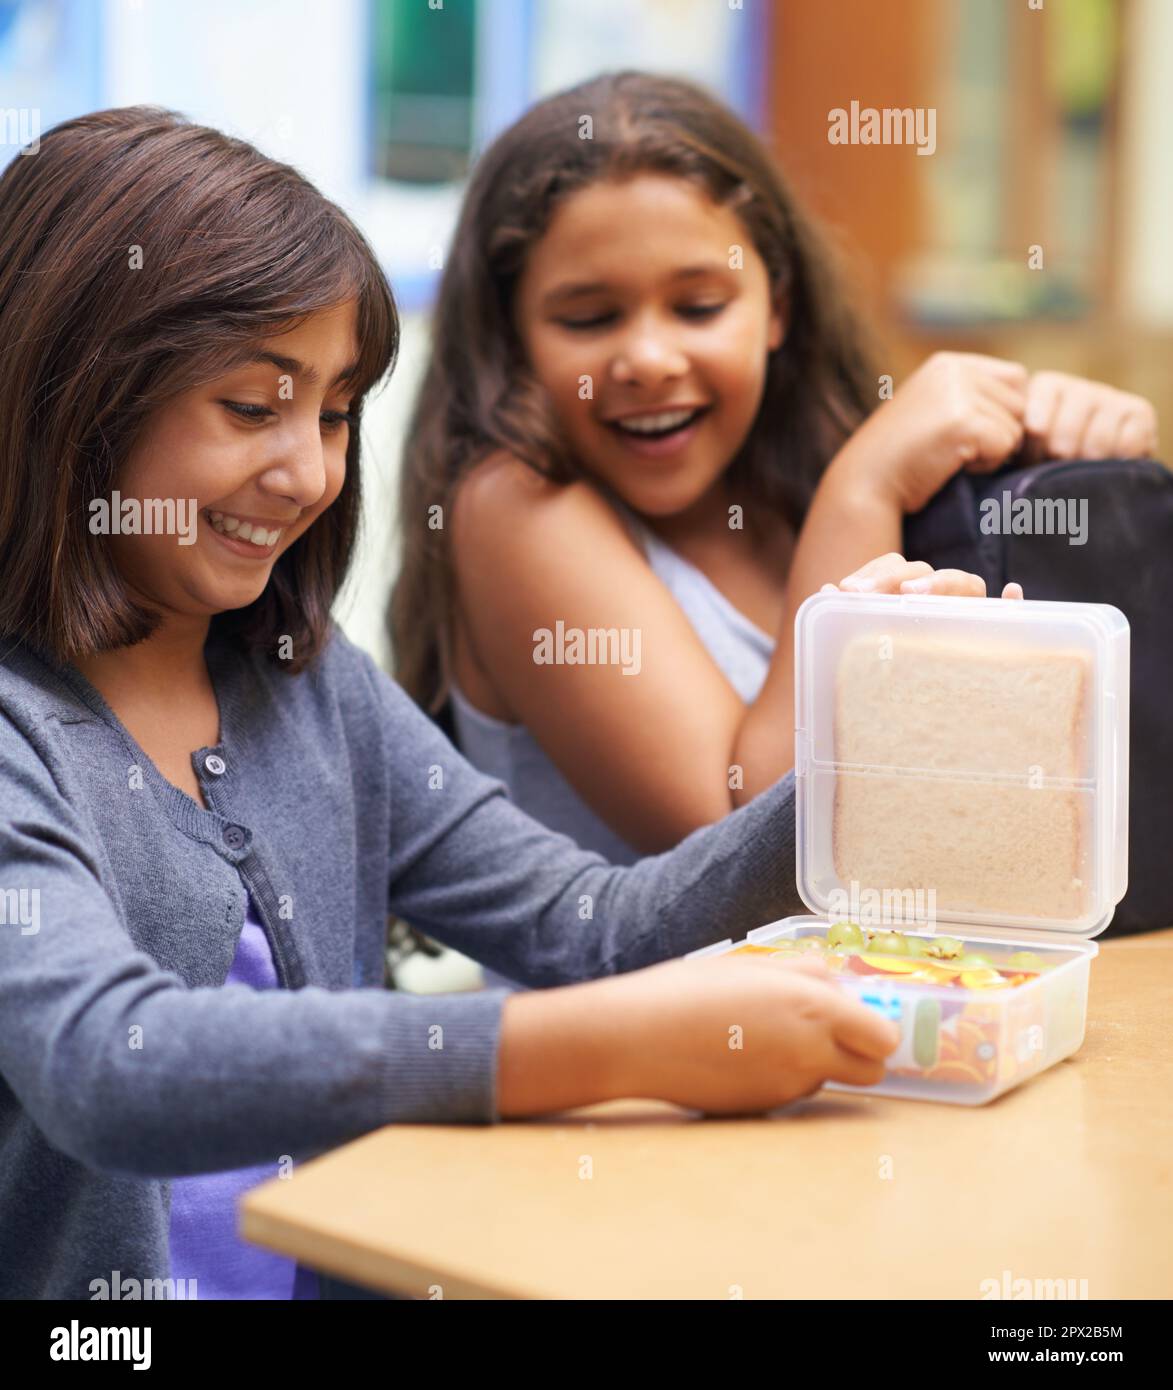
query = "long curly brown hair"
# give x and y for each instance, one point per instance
(479, 395)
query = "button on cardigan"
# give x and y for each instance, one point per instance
(125, 1059)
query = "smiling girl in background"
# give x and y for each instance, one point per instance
(649, 412)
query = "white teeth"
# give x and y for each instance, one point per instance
(656, 424)
(260, 536)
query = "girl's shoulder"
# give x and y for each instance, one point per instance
(503, 507)
(343, 680)
(32, 691)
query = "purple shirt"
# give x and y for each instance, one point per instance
(204, 1243)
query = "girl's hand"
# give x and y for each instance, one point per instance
(1068, 417)
(893, 574)
(747, 1033)
(957, 410)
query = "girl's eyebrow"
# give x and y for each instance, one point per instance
(308, 374)
(572, 288)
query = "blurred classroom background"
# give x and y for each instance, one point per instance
(1053, 131)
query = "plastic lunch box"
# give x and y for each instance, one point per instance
(931, 721)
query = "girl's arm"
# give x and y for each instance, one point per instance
(852, 517)
(470, 868)
(665, 1033)
(957, 410)
(670, 747)
(126, 1069)
(662, 744)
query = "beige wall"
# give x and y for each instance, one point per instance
(1146, 113)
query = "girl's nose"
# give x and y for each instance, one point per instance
(648, 358)
(299, 469)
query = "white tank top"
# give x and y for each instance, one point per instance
(509, 751)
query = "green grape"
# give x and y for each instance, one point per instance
(809, 943)
(845, 936)
(1026, 960)
(917, 946)
(974, 961)
(889, 943)
(926, 1033)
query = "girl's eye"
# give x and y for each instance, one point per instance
(331, 419)
(598, 321)
(687, 311)
(335, 419)
(247, 410)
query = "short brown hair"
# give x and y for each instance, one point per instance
(235, 247)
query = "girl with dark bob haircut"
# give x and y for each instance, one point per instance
(233, 246)
(211, 801)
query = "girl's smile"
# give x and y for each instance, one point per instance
(659, 433)
(252, 536)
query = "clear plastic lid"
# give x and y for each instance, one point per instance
(962, 761)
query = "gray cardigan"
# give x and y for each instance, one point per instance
(125, 1059)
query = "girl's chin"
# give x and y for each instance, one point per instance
(663, 496)
(224, 598)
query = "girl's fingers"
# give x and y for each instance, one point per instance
(1071, 420)
(804, 965)
(850, 1069)
(861, 1032)
(879, 565)
(1136, 435)
(1099, 438)
(997, 433)
(893, 574)
(884, 575)
(1042, 402)
(1008, 395)
(957, 583)
(893, 580)
(1068, 417)
(1000, 367)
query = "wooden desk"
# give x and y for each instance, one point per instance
(1068, 1177)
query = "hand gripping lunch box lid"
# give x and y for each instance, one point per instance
(962, 761)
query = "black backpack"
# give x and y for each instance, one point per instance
(1126, 560)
